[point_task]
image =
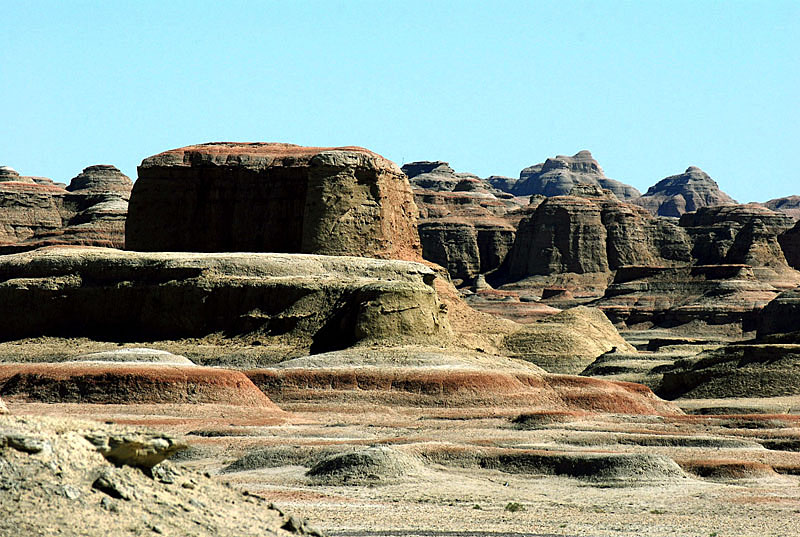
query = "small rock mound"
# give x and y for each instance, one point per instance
(729, 470)
(102, 179)
(374, 464)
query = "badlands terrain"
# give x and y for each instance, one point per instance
(267, 339)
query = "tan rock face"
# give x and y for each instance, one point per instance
(306, 301)
(737, 234)
(263, 197)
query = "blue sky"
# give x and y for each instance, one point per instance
(649, 87)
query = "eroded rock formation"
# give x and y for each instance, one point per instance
(269, 197)
(463, 222)
(683, 193)
(591, 231)
(790, 244)
(316, 302)
(36, 212)
(788, 205)
(557, 176)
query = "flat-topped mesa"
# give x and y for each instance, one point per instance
(683, 193)
(557, 176)
(272, 197)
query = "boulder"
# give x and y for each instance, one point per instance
(683, 193)
(270, 197)
(557, 176)
(307, 301)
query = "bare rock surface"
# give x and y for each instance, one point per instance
(271, 197)
(755, 370)
(464, 223)
(91, 211)
(714, 295)
(789, 205)
(566, 342)
(307, 301)
(683, 193)
(126, 383)
(780, 318)
(557, 176)
(136, 355)
(88, 479)
(591, 231)
(790, 244)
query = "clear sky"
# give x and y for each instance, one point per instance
(493, 86)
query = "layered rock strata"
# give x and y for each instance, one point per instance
(312, 302)
(36, 212)
(463, 222)
(673, 296)
(683, 193)
(789, 205)
(781, 317)
(559, 175)
(592, 231)
(269, 197)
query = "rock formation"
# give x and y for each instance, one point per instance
(683, 193)
(780, 319)
(591, 231)
(36, 212)
(715, 295)
(316, 302)
(745, 234)
(557, 176)
(789, 205)
(78, 478)
(268, 197)
(463, 225)
(790, 244)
